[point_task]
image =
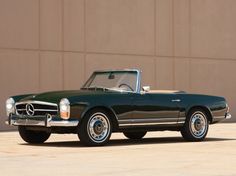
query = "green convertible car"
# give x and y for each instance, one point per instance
(114, 101)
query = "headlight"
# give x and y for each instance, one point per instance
(10, 106)
(65, 108)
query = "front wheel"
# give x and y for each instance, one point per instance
(196, 126)
(34, 137)
(135, 135)
(95, 129)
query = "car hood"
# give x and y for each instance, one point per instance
(56, 96)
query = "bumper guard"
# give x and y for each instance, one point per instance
(228, 116)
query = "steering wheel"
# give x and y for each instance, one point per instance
(126, 85)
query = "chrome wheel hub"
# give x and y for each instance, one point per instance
(198, 124)
(98, 127)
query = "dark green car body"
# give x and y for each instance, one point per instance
(128, 110)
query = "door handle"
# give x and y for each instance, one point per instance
(176, 100)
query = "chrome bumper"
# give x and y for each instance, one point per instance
(46, 121)
(228, 116)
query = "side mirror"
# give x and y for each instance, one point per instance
(146, 88)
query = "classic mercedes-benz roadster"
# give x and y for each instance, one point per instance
(114, 101)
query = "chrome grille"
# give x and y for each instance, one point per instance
(37, 108)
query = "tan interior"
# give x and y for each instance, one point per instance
(163, 91)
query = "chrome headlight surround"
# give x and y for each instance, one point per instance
(227, 108)
(65, 108)
(10, 106)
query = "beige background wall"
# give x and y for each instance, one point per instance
(178, 44)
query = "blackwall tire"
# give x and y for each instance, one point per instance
(135, 135)
(33, 137)
(95, 128)
(196, 126)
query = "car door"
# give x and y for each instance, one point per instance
(155, 108)
(121, 104)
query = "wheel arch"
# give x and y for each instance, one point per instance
(204, 108)
(111, 113)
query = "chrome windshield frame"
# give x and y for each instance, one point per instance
(138, 79)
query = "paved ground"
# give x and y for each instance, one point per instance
(159, 153)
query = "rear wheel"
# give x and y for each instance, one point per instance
(34, 137)
(135, 135)
(196, 126)
(96, 128)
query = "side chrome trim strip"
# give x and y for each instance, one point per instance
(150, 120)
(227, 116)
(154, 123)
(219, 117)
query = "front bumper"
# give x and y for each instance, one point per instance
(228, 116)
(45, 121)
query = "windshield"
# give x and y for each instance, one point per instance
(116, 80)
